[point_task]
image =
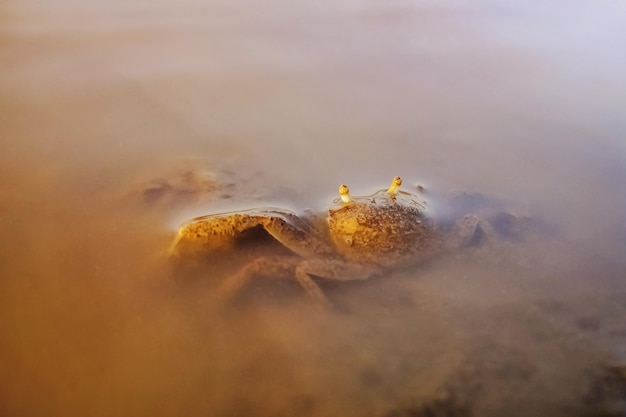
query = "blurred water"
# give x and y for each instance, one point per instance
(277, 103)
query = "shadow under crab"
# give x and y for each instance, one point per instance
(359, 238)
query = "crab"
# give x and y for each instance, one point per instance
(357, 239)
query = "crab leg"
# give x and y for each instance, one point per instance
(287, 267)
(332, 269)
(469, 231)
(274, 267)
(337, 269)
(266, 267)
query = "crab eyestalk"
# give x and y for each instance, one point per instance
(344, 193)
(395, 185)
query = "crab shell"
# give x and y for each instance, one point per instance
(381, 229)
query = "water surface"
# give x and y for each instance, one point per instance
(235, 104)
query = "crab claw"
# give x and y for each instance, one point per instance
(344, 193)
(395, 185)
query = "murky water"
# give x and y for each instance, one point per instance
(119, 120)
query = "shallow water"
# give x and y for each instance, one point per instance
(119, 120)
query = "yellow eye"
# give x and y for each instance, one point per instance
(344, 193)
(395, 185)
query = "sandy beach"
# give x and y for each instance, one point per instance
(120, 120)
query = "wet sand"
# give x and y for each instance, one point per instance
(118, 121)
